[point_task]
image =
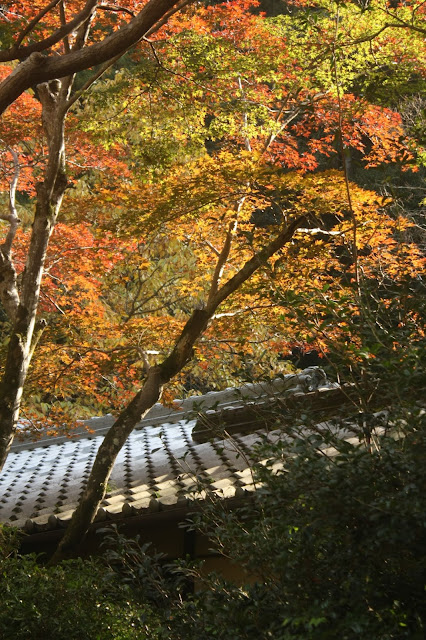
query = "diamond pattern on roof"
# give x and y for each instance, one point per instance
(156, 468)
(160, 463)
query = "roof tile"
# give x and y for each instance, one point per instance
(157, 469)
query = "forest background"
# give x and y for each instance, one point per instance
(180, 214)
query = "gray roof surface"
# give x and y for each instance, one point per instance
(42, 481)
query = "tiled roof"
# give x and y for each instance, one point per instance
(41, 482)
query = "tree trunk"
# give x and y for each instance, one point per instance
(150, 394)
(104, 462)
(121, 429)
(36, 68)
(49, 197)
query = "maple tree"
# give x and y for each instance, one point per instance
(50, 43)
(190, 167)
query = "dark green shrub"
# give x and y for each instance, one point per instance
(337, 544)
(70, 601)
(334, 546)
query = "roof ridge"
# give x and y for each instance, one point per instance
(308, 379)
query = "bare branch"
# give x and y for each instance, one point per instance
(43, 294)
(231, 314)
(212, 247)
(82, 32)
(92, 80)
(274, 135)
(224, 255)
(19, 53)
(35, 21)
(160, 23)
(292, 114)
(108, 7)
(247, 144)
(403, 24)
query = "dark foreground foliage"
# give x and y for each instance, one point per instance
(335, 544)
(73, 600)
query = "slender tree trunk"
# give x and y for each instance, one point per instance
(49, 198)
(53, 74)
(151, 392)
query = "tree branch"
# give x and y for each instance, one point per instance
(108, 7)
(160, 23)
(19, 53)
(33, 23)
(200, 318)
(150, 393)
(403, 24)
(247, 144)
(254, 263)
(224, 254)
(67, 47)
(12, 217)
(92, 80)
(38, 68)
(109, 63)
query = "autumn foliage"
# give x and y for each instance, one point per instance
(224, 125)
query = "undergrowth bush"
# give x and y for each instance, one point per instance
(336, 542)
(70, 601)
(333, 544)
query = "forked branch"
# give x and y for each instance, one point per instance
(150, 393)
